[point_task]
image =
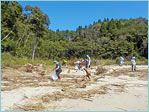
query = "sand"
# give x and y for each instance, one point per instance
(123, 92)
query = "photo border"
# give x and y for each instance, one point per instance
(76, 1)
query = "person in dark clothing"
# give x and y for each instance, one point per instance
(86, 63)
(58, 69)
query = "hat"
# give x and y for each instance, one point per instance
(55, 61)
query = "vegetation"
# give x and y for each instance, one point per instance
(25, 34)
(11, 61)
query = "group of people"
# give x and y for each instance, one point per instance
(133, 63)
(87, 61)
(58, 68)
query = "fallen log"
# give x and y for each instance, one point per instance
(88, 74)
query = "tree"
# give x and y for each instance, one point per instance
(11, 13)
(39, 22)
(27, 34)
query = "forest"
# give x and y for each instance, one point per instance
(26, 33)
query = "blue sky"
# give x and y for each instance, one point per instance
(69, 15)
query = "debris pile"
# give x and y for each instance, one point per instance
(100, 69)
(73, 94)
(39, 68)
(29, 107)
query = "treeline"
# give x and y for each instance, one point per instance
(26, 33)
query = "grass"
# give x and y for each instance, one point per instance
(139, 62)
(113, 62)
(11, 61)
(103, 62)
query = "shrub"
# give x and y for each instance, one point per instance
(117, 60)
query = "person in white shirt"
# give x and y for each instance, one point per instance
(88, 61)
(133, 64)
(77, 67)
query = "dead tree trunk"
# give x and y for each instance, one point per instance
(6, 35)
(34, 48)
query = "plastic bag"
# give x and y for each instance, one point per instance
(54, 76)
(76, 67)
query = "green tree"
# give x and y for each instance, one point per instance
(39, 22)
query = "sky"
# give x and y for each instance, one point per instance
(69, 15)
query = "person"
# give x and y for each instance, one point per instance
(88, 62)
(121, 60)
(133, 64)
(64, 63)
(58, 69)
(77, 67)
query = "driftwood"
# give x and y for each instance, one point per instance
(39, 69)
(88, 74)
